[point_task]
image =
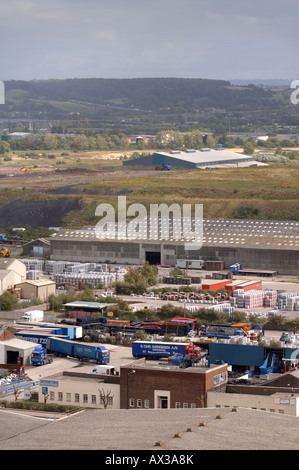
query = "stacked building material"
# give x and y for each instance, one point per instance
(54, 267)
(270, 298)
(253, 299)
(287, 300)
(34, 275)
(33, 264)
(90, 279)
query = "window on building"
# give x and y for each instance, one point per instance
(177, 404)
(185, 405)
(132, 402)
(93, 399)
(52, 395)
(85, 398)
(193, 405)
(139, 403)
(60, 396)
(68, 397)
(146, 403)
(77, 397)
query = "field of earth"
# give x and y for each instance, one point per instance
(66, 190)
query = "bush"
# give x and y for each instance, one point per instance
(34, 405)
(8, 301)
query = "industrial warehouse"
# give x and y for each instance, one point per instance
(256, 244)
(201, 159)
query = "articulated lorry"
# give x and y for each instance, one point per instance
(158, 350)
(83, 352)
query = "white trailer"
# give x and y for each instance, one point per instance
(189, 263)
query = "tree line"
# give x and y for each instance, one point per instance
(163, 140)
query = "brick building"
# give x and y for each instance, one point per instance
(153, 385)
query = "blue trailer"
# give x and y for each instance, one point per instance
(157, 349)
(35, 336)
(83, 352)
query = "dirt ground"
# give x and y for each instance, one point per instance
(51, 177)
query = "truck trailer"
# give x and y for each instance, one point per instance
(81, 351)
(189, 264)
(157, 349)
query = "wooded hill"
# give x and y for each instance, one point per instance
(148, 105)
(146, 94)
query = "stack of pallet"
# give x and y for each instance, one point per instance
(288, 300)
(270, 298)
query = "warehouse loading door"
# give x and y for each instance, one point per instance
(153, 257)
(12, 357)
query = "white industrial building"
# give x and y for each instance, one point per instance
(14, 350)
(12, 272)
(200, 159)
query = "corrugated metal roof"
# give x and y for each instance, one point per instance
(216, 232)
(19, 343)
(81, 303)
(37, 283)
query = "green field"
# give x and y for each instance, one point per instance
(263, 193)
(270, 192)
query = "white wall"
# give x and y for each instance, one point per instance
(68, 387)
(276, 403)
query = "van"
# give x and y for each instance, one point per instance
(104, 370)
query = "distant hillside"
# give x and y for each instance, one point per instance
(146, 94)
(268, 82)
(148, 105)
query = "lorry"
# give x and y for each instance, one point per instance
(159, 349)
(234, 268)
(39, 357)
(33, 315)
(226, 331)
(83, 352)
(164, 167)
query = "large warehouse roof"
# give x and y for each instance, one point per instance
(203, 158)
(216, 232)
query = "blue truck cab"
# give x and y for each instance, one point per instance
(39, 356)
(103, 355)
(98, 353)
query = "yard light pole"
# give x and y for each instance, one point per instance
(132, 372)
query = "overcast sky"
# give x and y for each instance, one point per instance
(224, 39)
